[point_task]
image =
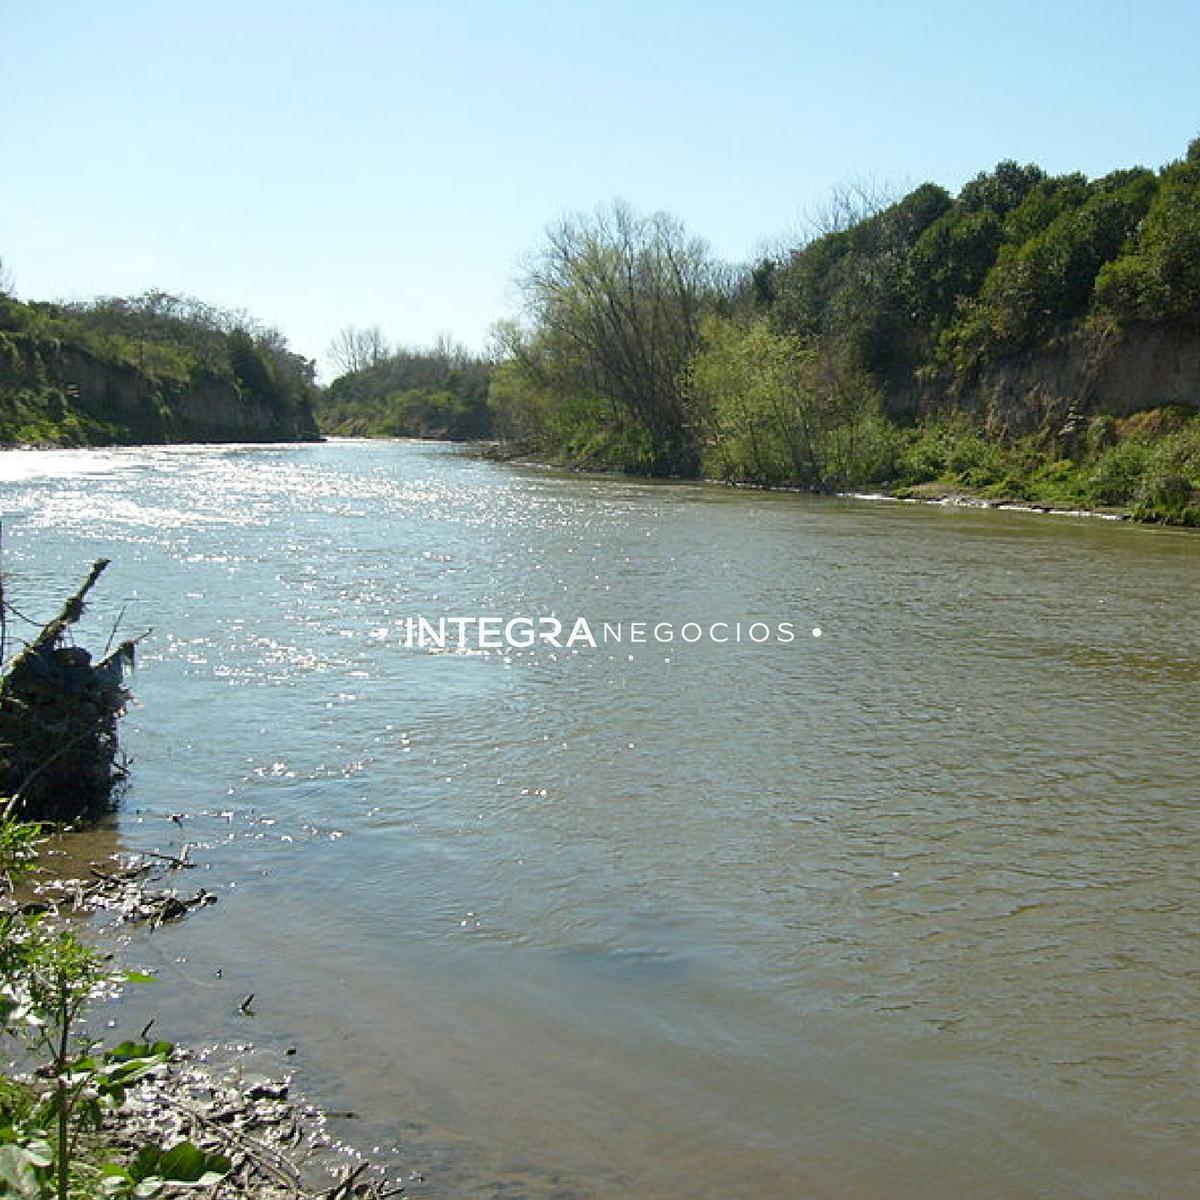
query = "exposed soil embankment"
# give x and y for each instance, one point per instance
(64, 394)
(1117, 372)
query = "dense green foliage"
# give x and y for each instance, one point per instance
(1147, 465)
(777, 408)
(437, 393)
(1157, 278)
(151, 368)
(863, 357)
(615, 303)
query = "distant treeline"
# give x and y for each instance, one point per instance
(1034, 337)
(440, 392)
(152, 368)
(967, 340)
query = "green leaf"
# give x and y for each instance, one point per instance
(18, 1174)
(187, 1163)
(39, 1153)
(145, 1162)
(129, 1050)
(110, 1184)
(183, 1163)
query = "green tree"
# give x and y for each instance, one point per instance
(849, 286)
(1159, 277)
(438, 392)
(779, 410)
(1040, 284)
(949, 263)
(614, 300)
(1001, 189)
(251, 368)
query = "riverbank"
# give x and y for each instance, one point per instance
(155, 369)
(1058, 488)
(78, 1116)
(955, 499)
(179, 1112)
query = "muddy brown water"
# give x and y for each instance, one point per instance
(907, 910)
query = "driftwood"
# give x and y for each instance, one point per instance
(58, 719)
(126, 890)
(58, 761)
(279, 1146)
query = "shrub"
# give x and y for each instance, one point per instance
(1118, 472)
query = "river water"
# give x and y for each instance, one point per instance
(905, 910)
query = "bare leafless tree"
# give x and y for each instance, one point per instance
(355, 349)
(847, 204)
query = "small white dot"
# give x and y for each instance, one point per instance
(816, 631)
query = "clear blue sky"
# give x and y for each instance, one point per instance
(363, 162)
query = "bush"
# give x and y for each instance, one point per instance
(1118, 472)
(775, 410)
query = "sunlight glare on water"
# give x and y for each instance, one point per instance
(905, 910)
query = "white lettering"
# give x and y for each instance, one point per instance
(527, 626)
(581, 632)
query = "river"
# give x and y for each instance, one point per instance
(904, 910)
